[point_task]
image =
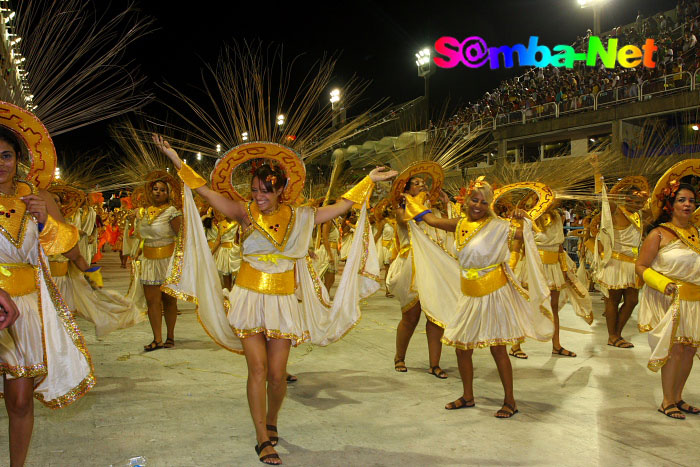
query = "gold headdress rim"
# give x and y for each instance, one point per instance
(421, 167)
(36, 138)
(674, 173)
(545, 196)
(633, 181)
(287, 158)
(73, 198)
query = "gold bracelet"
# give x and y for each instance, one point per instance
(360, 192)
(191, 178)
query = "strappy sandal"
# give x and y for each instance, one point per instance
(291, 378)
(563, 352)
(400, 365)
(263, 459)
(517, 354)
(620, 343)
(464, 404)
(169, 343)
(273, 439)
(153, 346)
(691, 410)
(672, 411)
(440, 373)
(506, 413)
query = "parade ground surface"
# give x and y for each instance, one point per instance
(187, 406)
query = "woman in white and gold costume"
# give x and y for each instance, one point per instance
(158, 226)
(263, 309)
(559, 270)
(327, 252)
(387, 243)
(227, 251)
(42, 354)
(619, 237)
(669, 263)
(492, 310)
(401, 278)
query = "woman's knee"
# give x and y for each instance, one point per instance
(19, 405)
(257, 371)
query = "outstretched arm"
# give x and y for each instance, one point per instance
(442, 223)
(230, 208)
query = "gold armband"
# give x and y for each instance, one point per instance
(656, 280)
(191, 178)
(415, 205)
(360, 192)
(58, 237)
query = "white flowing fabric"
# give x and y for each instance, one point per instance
(503, 316)
(44, 342)
(193, 277)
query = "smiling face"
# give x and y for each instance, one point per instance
(8, 162)
(478, 206)
(160, 192)
(416, 185)
(684, 205)
(266, 200)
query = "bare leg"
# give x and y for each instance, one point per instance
(669, 377)
(505, 372)
(255, 348)
(170, 306)
(466, 372)
(434, 333)
(404, 332)
(19, 403)
(686, 364)
(277, 356)
(155, 310)
(228, 282)
(329, 280)
(631, 298)
(556, 344)
(612, 304)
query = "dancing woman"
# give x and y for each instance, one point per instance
(493, 310)
(669, 263)
(264, 311)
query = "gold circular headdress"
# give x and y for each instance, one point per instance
(379, 209)
(37, 140)
(430, 168)
(669, 182)
(289, 160)
(165, 177)
(71, 198)
(633, 181)
(545, 196)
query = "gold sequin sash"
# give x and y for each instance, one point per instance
(486, 284)
(17, 279)
(158, 252)
(281, 283)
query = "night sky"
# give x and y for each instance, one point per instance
(377, 41)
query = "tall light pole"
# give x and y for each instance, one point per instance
(426, 68)
(596, 6)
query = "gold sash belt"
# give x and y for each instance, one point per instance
(18, 279)
(158, 252)
(687, 291)
(486, 284)
(621, 257)
(281, 283)
(549, 257)
(58, 268)
(226, 244)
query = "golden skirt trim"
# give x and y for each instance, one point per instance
(158, 252)
(30, 371)
(483, 344)
(622, 257)
(281, 283)
(58, 268)
(273, 334)
(410, 305)
(486, 284)
(22, 279)
(549, 257)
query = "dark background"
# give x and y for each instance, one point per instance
(376, 41)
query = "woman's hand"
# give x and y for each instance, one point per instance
(166, 149)
(444, 198)
(8, 310)
(380, 174)
(519, 214)
(671, 289)
(36, 206)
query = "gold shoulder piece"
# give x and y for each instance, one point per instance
(58, 237)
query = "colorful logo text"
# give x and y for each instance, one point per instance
(474, 53)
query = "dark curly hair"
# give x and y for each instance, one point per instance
(267, 174)
(666, 216)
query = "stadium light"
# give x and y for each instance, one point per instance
(218, 148)
(596, 5)
(199, 156)
(244, 136)
(695, 128)
(280, 120)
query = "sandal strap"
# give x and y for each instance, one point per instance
(264, 445)
(506, 404)
(269, 456)
(271, 427)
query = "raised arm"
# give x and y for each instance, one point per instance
(230, 208)
(442, 223)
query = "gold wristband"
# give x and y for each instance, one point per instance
(360, 192)
(415, 205)
(191, 178)
(656, 280)
(58, 237)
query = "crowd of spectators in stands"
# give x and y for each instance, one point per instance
(538, 91)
